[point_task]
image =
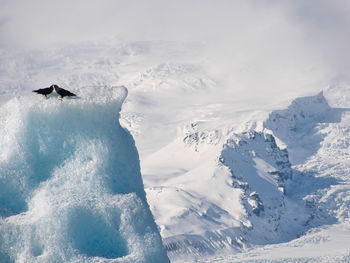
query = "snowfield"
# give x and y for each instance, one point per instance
(230, 175)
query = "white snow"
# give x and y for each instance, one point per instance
(323, 185)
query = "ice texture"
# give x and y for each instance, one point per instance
(70, 182)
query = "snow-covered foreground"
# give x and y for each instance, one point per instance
(325, 244)
(230, 175)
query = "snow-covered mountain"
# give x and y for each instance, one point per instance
(315, 130)
(243, 189)
(230, 175)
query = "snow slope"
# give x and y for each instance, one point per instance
(226, 192)
(317, 129)
(70, 182)
(230, 189)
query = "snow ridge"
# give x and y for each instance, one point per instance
(240, 193)
(252, 194)
(316, 136)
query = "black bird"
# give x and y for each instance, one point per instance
(44, 91)
(63, 92)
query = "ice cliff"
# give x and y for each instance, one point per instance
(70, 183)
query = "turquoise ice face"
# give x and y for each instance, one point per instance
(70, 183)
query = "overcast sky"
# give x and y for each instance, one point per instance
(298, 36)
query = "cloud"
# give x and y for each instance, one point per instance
(326, 26)
(249, 43)
(41, 21)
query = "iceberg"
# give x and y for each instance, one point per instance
(70, 182)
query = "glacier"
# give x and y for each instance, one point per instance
(70, 182)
